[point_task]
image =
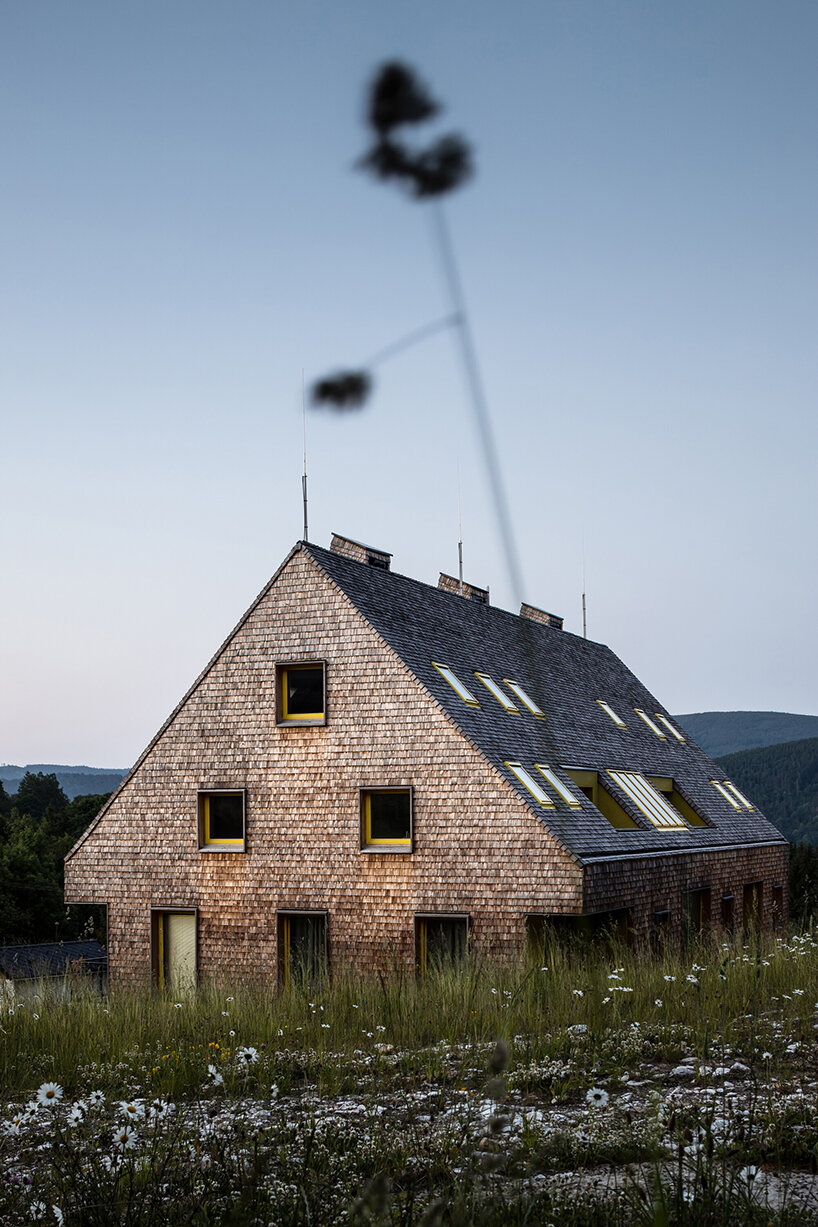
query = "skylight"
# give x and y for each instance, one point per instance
(740, 795)
(736, 804)
(616, 719)
(501, 698)
(561, 789)
(670, 728)
(457, 686)
(646, 798)
(525, 698)
(654, 727)
(528, 781)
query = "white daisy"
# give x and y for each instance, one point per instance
(49, 1094)
(125, 1137)
(248, 1056)
(596, 1097)
(218, 1080)
(132, 1109)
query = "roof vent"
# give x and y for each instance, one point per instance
(539, 615)
(367, 554)
(449, 584)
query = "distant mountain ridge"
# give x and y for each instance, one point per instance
(74, 781)
(728, 732)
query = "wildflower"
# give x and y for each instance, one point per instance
(691, 979)
(766, 1056)
(177, 1005)
(14, 1126)
(231, 1033)
(325, 1026)
(77, 1114)
(132, 1109)
(96, 1099)
(354, 1006)
(659, 1002)
(605, 1000)
(578, 992)
(38, 1209)
(58, 1215)
(125, 1137)
(231, 999)
(248, 1055)
(378, 1027)
(49, 1094)
(596, 1097)
(225, 1013)
(37, 1016)
(670, 979)
(218, 1080)
(543, 969)
(749, 1174)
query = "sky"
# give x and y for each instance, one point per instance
(185, 240)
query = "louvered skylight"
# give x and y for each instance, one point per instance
(740, 795)
(501, 698)
(647, 799)
(610, 711)
(562, 790)
(457, 686)
(670, 728)
(524, 698)
(528, 781)
(653, 727)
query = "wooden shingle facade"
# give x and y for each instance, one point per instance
(371, 768)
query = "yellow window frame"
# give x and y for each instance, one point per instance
(215, 843)
(369, 842)
(160, 949)
(287, 715)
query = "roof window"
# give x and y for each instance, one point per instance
(524, 698)
(590, 785)
(731, 794)
(528, 781)
(618, 721)
(501, 698)
(671, 728)
(740, 795)
(654, 728)
(457, 686)
(648, 800)
(562, 790)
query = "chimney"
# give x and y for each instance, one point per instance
(449, 584)
(539, 615)
(355, 550)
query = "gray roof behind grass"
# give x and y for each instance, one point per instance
(565, 675)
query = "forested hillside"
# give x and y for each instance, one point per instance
(74, 781)
(728, 732)
(783, 782)
(37, 827)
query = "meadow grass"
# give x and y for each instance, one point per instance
(466, 1097)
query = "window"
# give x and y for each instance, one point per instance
(562, 790)
(778, 907)
(660, 929)
(738, 795)
(221, 820)
(670, 792)
(528, 781)
(610, 711)
(440, 941)
(301, 693)
(525, 698)
(501, 698)
(695, 914)
(731, 800)
(386, 819)
(457, 686)
(302, 948)
(752, 906)
(653, 727)
(651, 803)
(670, 728)
(589, 783)
(728, 913)
(173, 943)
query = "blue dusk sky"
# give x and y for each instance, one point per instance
(184, 233)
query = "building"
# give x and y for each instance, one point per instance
(372, 768)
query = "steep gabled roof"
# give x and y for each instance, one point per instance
(565, 675)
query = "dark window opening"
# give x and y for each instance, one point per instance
(667, 787)
(778, 907)
(301, 694)
(695, 915)
(440, 941)
(386, 818)
(753, 894)
(728, 913)
(221, 820)
(609, 929)
(302, 948)
(660, 929)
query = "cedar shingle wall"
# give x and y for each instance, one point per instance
(476, 848)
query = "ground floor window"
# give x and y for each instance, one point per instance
(440, 941)
(173, 941)
(728, 913)
(611, 928)
(695, 914)
(302, 948)
(753, 895)
(778, 907)
(660, 929)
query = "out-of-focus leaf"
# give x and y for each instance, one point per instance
(344, 390)
(397, 96)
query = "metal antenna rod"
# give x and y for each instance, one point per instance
(306, 536)
(459, 531)
(584, 618)
(478, 398)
